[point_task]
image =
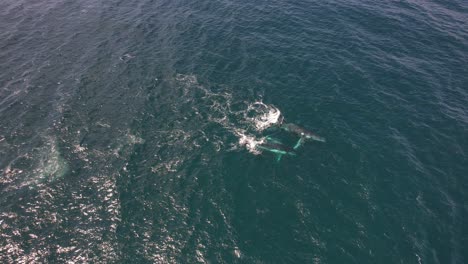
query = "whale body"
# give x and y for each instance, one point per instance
(276, 148)
(302, 132)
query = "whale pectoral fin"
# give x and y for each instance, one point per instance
(299, 143)
(274, 140)
(278, 157)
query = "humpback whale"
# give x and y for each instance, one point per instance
(302, 132)
(276, 147)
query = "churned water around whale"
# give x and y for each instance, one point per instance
(129, 131)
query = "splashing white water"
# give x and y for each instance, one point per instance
(260, 116)
(246, 120)
(250, 142)
(265, 115)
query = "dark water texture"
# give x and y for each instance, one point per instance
(118, 137)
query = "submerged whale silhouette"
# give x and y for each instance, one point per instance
(276, 147)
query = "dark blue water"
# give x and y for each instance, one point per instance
(128, 131)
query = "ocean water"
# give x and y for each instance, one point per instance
(129, 131)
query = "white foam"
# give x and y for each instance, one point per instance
(246, 120)
(249, 141)
(51, 165)
(266, 116)
(189, 79)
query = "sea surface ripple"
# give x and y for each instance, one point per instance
(128, 131)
